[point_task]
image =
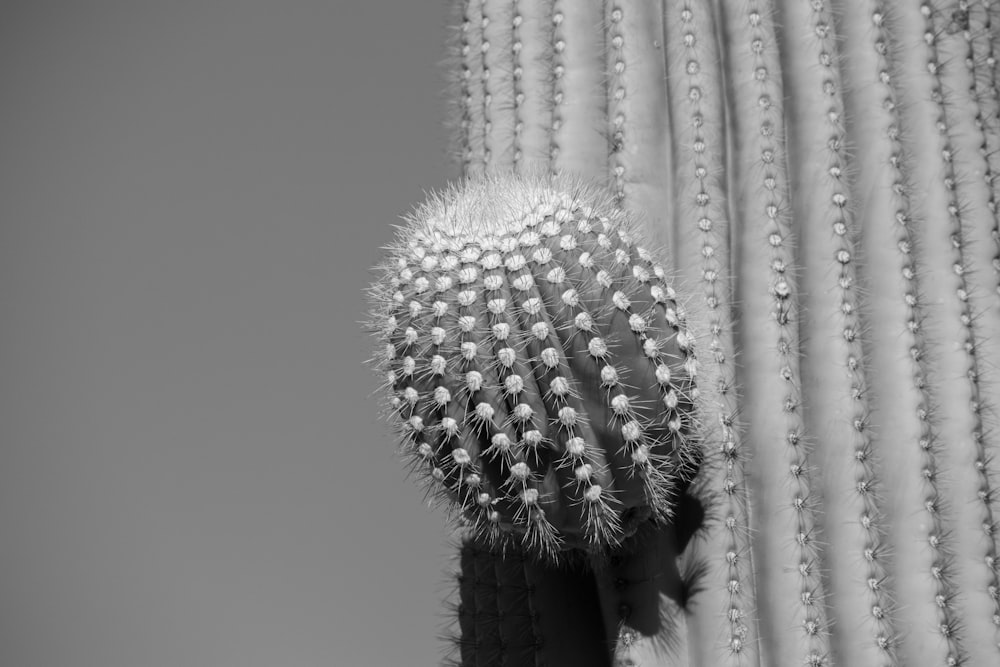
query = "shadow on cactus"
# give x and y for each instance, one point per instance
(537, 363)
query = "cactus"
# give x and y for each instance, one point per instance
(517, 610)
(538, 363)
(822, 175)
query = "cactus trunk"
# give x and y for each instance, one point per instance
(518, 611)
(821, 179)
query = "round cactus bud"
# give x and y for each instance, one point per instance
(538, 362)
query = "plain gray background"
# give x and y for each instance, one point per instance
(191, 195)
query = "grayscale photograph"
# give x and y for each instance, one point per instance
(500, 333)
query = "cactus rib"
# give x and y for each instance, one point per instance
(947, 41)
(532, 85)
(722, 618)
(638, 112)
(835, 390)
(527, 612)
(579, 122)
(770, 341)
(498, 85)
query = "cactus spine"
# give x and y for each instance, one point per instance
(823, 175)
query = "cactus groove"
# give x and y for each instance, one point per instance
(823, 175)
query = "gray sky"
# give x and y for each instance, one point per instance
(191, 193)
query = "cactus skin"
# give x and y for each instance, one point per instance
(695, 68)
(539, 365)
(835, 383)
(519, 611)
(824, 176)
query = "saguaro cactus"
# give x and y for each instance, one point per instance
(823, 177)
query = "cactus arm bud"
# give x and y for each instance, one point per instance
(542, 375)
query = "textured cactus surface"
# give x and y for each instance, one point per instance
(823, 176)
(517, 610)
(538, 363)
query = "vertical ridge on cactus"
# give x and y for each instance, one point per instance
(722, 619)
(987, 291)
(532, 22)
(473, 109)
(497, 619)
(638, 112)
(468, 608)
(790, 591)
(987, 96)
(950, 392)
(984, 17)
(950, 81)
(579, 116)
(896, 346)
(486, 587)
(835, 389)
(498, 84)
(529, 612)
